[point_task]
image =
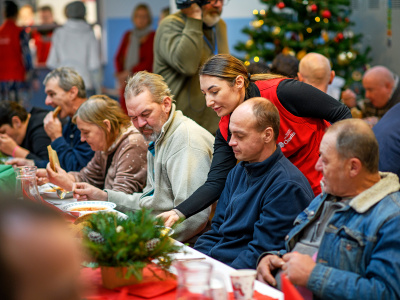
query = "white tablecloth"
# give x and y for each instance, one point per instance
(225, 270)
(218, 266)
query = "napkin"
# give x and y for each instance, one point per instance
(150, 290)
(256, 296)
(289, 290)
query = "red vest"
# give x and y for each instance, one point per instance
(299, 137)
(43, 44)
(11, 60)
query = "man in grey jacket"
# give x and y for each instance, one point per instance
(178, 160)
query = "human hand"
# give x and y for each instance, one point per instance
(41, 176)
(52, 126)
(85, 191)
(268, 264)
(298, 267)
(7, 144)
(349, 98)
(194, 11)
(17, 162)
(59, 178)
(169, 218)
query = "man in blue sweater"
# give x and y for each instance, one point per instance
(387, 132)
(263, 194)
(65, 89)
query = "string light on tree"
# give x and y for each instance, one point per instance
(301, 54)
(249, 43)
(276, 30)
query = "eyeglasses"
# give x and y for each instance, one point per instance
(215, 2)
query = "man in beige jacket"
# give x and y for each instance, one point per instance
(178, 159)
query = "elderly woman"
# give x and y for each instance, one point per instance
(135, 52)
(119, 162)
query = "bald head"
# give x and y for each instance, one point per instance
(378, 83)
(380, 73)
(355, 139)
(254, 126)
(262, 112)
(315, 69)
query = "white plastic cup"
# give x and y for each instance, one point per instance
(243, 283)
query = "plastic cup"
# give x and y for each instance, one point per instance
(243, 283)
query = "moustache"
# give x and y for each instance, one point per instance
(145, 127)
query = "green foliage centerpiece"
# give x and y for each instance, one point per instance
(128, 245)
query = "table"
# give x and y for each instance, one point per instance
(225, 270)
(190, 253)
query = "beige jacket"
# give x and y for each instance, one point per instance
(128, 169)
(183, 154)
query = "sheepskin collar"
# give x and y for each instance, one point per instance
(388, 184)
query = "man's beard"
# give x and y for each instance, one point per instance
(152, 137)
(211, 18)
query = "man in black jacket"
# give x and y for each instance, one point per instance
(21, 133)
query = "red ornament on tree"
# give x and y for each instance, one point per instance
(340, 36)
(314, 7)
(326, 14)
(281, 5)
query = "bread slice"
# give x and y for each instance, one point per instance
(53, 158)
(56, 111)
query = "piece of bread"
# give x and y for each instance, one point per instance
(53, 158)
(56, 111)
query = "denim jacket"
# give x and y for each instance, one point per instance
(359, 255)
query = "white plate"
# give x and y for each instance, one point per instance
(166, 230)
(83, 204)
(45, 191)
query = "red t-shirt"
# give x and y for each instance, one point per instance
(43, 44)
(11, 60)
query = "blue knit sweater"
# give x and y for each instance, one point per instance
(255, 211)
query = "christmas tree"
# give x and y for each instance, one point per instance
(297, 27)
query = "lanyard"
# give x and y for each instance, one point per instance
(215, 48)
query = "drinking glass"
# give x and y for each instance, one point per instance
(218, 287)
(193, 280)
(26, 187)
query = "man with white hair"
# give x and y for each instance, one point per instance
(315, 69)
(382, 91)
(183, 42)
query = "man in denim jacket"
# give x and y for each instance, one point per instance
(346, 244)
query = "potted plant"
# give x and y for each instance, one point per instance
(123, 248)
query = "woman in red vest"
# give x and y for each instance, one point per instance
(304, 115)
(136, 50)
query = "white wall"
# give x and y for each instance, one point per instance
(59, 6)
(373, 24)
(235, 8)
(123, 8)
